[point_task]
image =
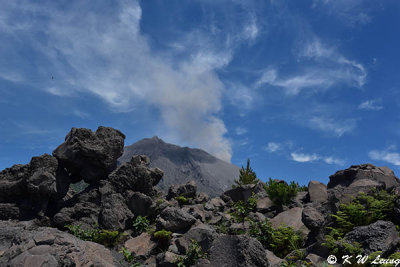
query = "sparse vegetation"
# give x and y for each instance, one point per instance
(281, 193)
(281, 241)
(247, 176)
(363, 210)
(129, 258)
(183, 200)
(140, 224)
(241, 209)
(101, 236)
(193, 254)
(162, 237)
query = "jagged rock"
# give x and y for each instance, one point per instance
(273, 260)
(175, 220)
(114, 212)
(243, 192)
(312, 218)
(256, 216)
(197, 211)
(215, 203)
(140, 246)
(25, 245)
(378, 236)
(83, 208)
(135, 175)
(317, 192)
(292, 218)
(202, 233)
(90, 155)
(141, 204)
(187, 190)
(31, 187)
(346, 184)
(167, 259)
(202, 198)
(264, 205)
(236, 251)
(364, 171)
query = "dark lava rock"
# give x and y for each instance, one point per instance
(90, 155)
(136, 175)
(141, 204)
(175, 220)
(379, 236)
(187, 190)
(23, 244)
(237, 251)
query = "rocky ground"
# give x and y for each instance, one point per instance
(121, 219)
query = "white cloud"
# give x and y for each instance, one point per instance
(107, 55)
(11, 76)
(240, 130)
(370, 105)
(330, 125)
(323, 67)
(387, 155)
(272, 147)
(301, 157)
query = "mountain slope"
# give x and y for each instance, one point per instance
(182, 164)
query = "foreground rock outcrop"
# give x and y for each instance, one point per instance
(135, 223)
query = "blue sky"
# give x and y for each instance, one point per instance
(302, 88)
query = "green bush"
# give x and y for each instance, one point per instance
(163, 237)
(281, 193)
(193, 254)
(101, 236)
(241, 209)
(363, 210)
(281, 241)
(140, 224)
(183, 200)
(129, 258)
(246, 176)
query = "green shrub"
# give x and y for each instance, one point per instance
(129, 258)
(101, 236)
(246, 176)
(223, 227)
(182, 200)
(281, 241)
(193, 254)
(162, 237)
(281, 193)
(140, 224)
(363, 210)
(241, 209)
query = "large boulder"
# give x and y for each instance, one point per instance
(243, 192)
(317, 192)
(292, 218)
(312, 218)
(379, 236)
(22, 244)
(202, 233)
(141, 204)
(136, 175)
(32, 186)
(187, 190)
(236, 251)
(175, 220)
(114, 212)
(345, 185)
(141, 246)
(90, 155)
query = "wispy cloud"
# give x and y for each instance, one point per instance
(273, 147)
(370, 105)
(323, 67)
(333, 126)
(240, 130)
(303, 157)
(388, 155)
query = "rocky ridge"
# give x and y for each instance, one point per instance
(43, 222)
